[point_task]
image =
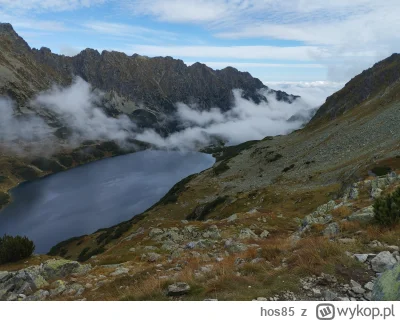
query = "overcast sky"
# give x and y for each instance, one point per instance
(309, 42)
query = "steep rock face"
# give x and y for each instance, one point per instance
(144, 88)
(371, 82)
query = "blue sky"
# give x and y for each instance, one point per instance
(310, 42)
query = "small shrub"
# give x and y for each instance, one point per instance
(387, 209)
(15, 248)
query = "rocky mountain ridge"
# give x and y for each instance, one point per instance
(375, 80)
(146, 89)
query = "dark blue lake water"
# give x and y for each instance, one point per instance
(97, 195)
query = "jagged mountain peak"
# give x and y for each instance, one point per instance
(11, 37)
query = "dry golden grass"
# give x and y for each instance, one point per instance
(314, 254)
(341, 212)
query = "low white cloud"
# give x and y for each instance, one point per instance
(245, 121)
(314, 93)
(23, 133)
(76, 107)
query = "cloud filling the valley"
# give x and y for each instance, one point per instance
(78, 108)
(245, 121)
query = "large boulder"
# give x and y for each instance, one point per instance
(364, 215)
(387, 287)
(28, 283)
(179, 288)
(353, 194)
(55, 269)
(235, 247)
(376, 192)
(383, 261)
(212, 233)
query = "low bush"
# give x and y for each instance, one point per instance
(387, 209)
(15, 248)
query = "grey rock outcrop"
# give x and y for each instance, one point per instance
(28, 283)
(383, 261)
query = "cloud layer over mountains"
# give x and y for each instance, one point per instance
(75, 107)
(245, 121)
(78, 108)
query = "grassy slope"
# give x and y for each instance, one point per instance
(279, 203)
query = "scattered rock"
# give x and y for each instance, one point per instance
(153, 257)
(329, 295)
(376, 192)
(264, 234)
(369, 286)
(247, 234)
(356, 287)
(364, 215)
(316, 293)
(363, 257)
(155, 232)
(212, 233)
(176, 289)
(331, 230)
(119, 271)
(353, 194)
(235, 247)
(383, 261)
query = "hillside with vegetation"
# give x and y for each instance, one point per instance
(309, 215)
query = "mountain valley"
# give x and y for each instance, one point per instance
(287, 217)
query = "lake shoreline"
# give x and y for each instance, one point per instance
(107, 203)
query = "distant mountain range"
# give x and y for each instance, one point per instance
(144, 88)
